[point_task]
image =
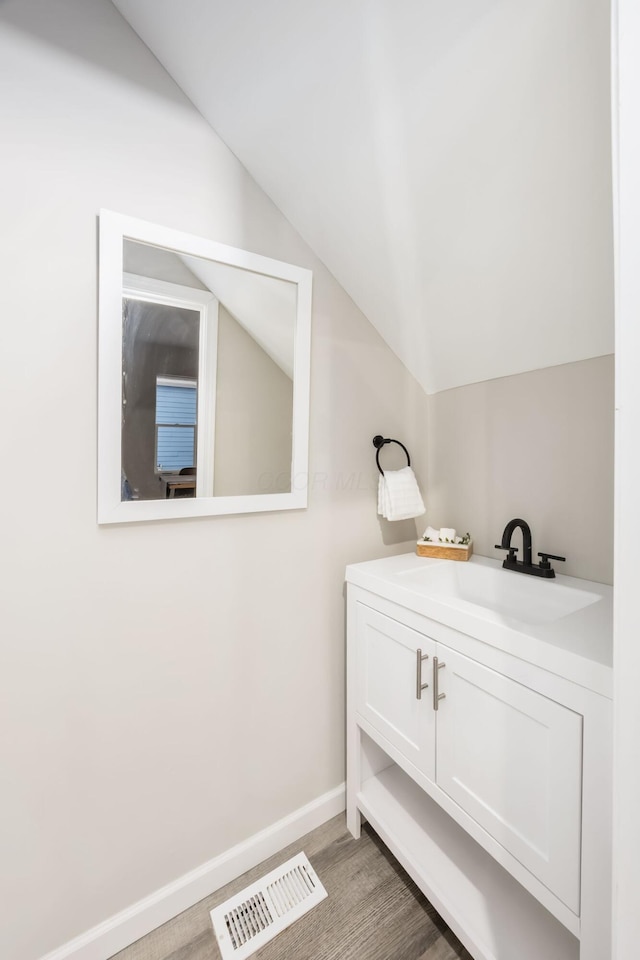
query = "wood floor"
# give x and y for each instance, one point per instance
(374, 911)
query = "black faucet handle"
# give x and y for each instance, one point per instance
(544, 563)
(512, 550)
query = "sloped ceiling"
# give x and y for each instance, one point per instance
(449, 161)
(263, 306)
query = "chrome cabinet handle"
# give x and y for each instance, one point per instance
(437, 696)
(420, 686)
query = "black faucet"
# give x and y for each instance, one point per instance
(542, 569)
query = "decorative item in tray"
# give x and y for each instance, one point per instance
(444, 544)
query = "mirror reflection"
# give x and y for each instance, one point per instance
(207, 377)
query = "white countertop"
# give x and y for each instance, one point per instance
(578, 646)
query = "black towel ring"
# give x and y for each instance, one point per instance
(379, 443)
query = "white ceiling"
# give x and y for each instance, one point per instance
(448, 160)
(264, 306)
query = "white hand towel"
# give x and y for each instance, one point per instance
(399, 496)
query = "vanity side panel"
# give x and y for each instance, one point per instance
(353, 745)
(597, 820)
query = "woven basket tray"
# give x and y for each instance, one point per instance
(444, 551)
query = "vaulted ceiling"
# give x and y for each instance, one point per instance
(448, 160)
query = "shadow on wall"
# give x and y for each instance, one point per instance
(89, 40)
(400, 531)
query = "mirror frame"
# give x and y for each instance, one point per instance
(115, 228)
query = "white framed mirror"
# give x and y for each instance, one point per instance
(204, 355)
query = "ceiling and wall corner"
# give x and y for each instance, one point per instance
(449, 163)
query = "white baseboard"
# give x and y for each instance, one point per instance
(116, 933)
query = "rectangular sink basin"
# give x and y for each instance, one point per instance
(505, 593)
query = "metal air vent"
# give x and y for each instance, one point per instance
(258, 913)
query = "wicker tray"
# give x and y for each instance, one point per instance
(444, 551)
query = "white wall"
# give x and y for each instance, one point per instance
(537, 445)
(626, 837)
(137, 692)
(254, 399)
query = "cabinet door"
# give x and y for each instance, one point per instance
(387, 677)
(512, 759)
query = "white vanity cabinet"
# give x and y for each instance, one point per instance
(486, 775)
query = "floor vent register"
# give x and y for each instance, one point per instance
(246, 922)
